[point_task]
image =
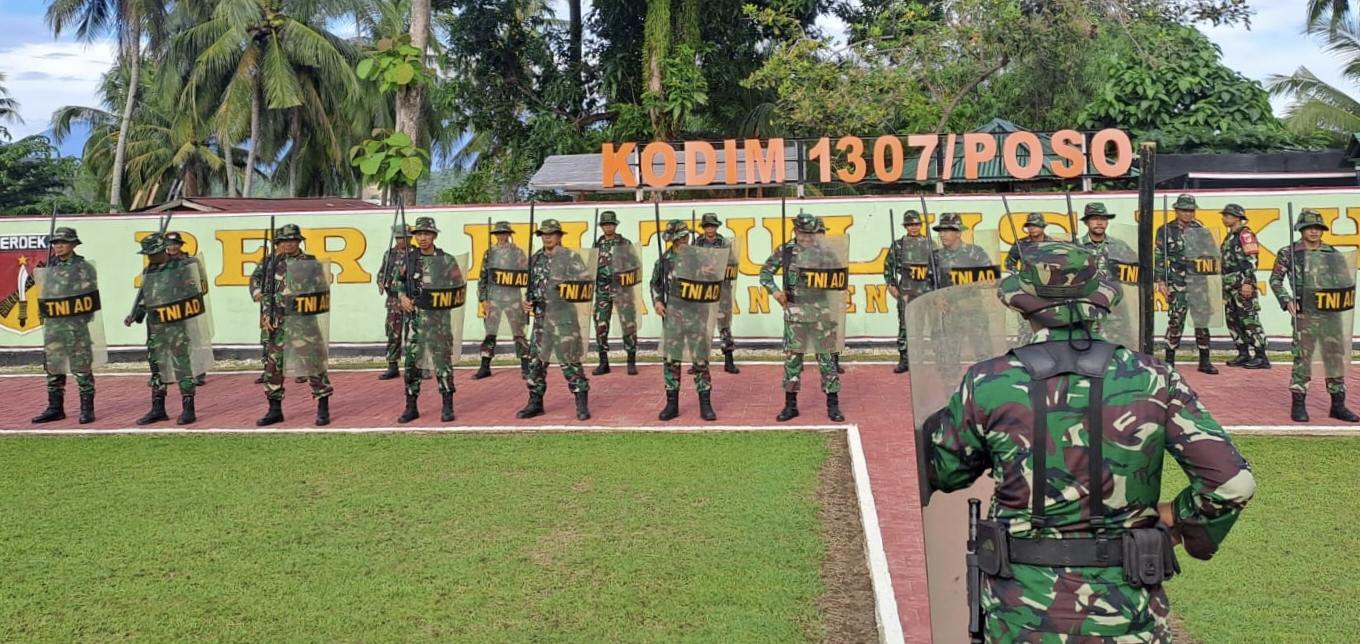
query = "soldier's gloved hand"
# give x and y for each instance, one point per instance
(781, 298)
(526, 307)
(1292, 308)
(266, 324)
(407, 305)
(894, 292)
(255, 297)
(660, 308)
(1248, 290)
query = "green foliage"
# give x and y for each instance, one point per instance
(9, 108)
(390, 159)
(394, 63)
(1319, 108)
(33, 178)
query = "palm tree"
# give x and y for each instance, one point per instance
(9, 108)
(1318, 105)
(129, 20)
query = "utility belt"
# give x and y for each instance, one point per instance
(1145, 554)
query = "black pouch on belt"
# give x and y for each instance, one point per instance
(993, 549)
(1149, 556)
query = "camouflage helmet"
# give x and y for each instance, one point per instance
(804, 223)
(1059, 285)
(1185, 202)
(821, 225)
(549, 227)
(288, 232)
(424, 225)
(1095, 209)
(1235, 210)
(1035, 219)
(1310, 218)
(708, 219)
(609, 217)
(675, 229)
(153, 244)
(950, 221)
(172, 238)
(911, 218)
(502, 228)
(65, 234)
(401, 231)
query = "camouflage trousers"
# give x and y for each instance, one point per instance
(670, 374)
(1069, 604)
(604, 311)
(429, 347)
(1175, 324)
(569, 357)
(1244, 321)
(796, 333)
(495, 320)
(725, 339)
(56, 383)
(1315, 335)
(392, 328)
(273, 371)
(67, 349)
(167, 353)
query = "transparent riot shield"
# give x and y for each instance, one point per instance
(73, 326)
(1203, 279)
(627, 285)
(207, 298)
(440, 311)
(816, 306)
(724, 318)
(1326, 283)
(509, 275)
(1120, 262)
(692, 302)
(176, 320)
(567, 302)
(913, 256)
(306, 317)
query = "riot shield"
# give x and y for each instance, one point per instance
(695, 292)
(1120, 261)
(509, 274)
(627, 282)
(1326, 309)
(175, 315)
(914, 266)
(439, 309)
(73, 327)
(567, 302)
(207, 299)
(1203, 278)
(724, 317)
(306, 317)
(816, 305)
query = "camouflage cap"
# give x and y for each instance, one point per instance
(502, 227)
(1035, 219)
(1059, 285)
(950, 221)
(424, 225)
(1235, 210)
(911, 218)
(1095, 209)
(549, 227)
(152, 244)
(708, 219)
(675, 229)
(288, 232)
(804, 223)
(1310, 218)
(1185, 202)
(401, 231)
(609, 217)
(173, 238)
(65, 234)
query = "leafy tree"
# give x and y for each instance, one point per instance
(1318, 106)
(33, 178)
(9, 108)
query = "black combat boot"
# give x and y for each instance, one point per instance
(632, 363)
(1258, 361)
(902, 366)
(390, 373)
(323, 411)
(200, 380)
(1298, 411)
(186, 410)
(446, 411)
(603, 367)
(56, 409)
(1204, 365)
(533, 408)
(582, 405)
(833, 408)
(1339, 411)
(273, 416)
(523, 368)
(706, 406)
(157, 412)
(790, 409)
(411, 412)
(729, 365)
(836, 360)
(1170, 357)
(1243, 356)
(86, 409)
(483, 370)
(672, 408)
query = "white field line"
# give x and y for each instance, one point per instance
(885, 600)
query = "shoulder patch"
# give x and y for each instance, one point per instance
(1248, 241)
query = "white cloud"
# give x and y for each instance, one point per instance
(45, 76)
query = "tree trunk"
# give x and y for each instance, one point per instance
(132, 57)
(230, 165)
(656, 39)
(295, 163)
(254, 139)
(574, 32)
(411, 98)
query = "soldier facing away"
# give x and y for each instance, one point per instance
(292, 333)
(616, 277)
(1173, 266)
(906, 272)
(1242, 306)
(1058, 562)
(169, 301)
(432, 296)
(686, 288)
(711, 239)
(1311, 266)
(557, 276)
(174, 246)
(394, 323)
(69, 283)
(500, 289)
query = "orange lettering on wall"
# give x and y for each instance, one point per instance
(977, 148)
(696, 152)
(853, 148)
(889, 169)
(1010, 155)
(1123, 150)
(1067, 145)
(766, 167)
(648, 161)
(927, 143)
(614, 164)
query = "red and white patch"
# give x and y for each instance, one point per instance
(1248, 241)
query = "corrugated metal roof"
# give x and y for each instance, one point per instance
(241, 204)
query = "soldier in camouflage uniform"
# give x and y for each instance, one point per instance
(905, 256)
(174, 247)
(953, 251)
(495, 310)
(550, 231)
(70, 335)
(688, 329)
(1172, 266)
(1310, 331)
(1241, 304)
(434, 342)
(1034, 233)
(785, 260)
(607, 296)
(835, 355)
(1097, 218)
(393, 262)
(711, 239)
(270, 290)
(1052, 553)
(170, 338)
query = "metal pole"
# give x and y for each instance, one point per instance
(1147, 186)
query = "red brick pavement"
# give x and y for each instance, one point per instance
(874, 399)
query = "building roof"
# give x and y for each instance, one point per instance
(242, 204)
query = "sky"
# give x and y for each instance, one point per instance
(44, 73)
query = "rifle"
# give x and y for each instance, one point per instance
(784, 249)
(930, 243)
(26, 279)
(1014, 234)
(594, 241)
(137, 298)
(693, 230)
(974, 576)
(892, 242)
(1293, 276)
(389, 257)
(530, 261)
(406, 269)
(1071, 214)
(1166, 232)
(269, 309)
(661, 253)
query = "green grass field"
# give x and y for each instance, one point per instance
(1290, 570)
(585, 537)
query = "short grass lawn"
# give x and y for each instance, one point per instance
(1290, 569)
(547, 537)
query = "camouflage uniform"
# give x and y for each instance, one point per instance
(1103, 250)
(897, 273)
(536, 294)
(725, 339)
(793, 361)
(1025, 245)
(389, 274)
(172, 340)
(946, 259)
(607, 290)
(1239, 251)
(436, 340)
(1146, 407)
(493, 314)
(1171, 263)
(276, 340)
(174, 244)
(663, 275)
(69, 337)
